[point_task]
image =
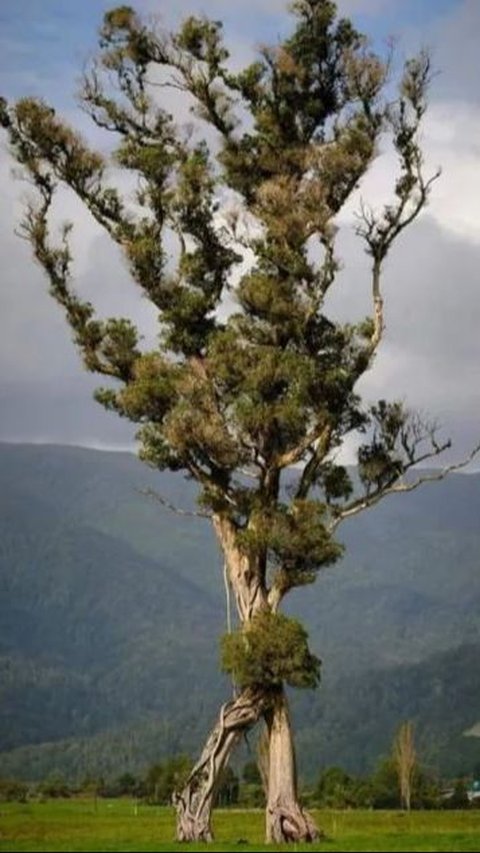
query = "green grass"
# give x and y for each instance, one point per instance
(115, 825)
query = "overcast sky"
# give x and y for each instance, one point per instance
(431, 353)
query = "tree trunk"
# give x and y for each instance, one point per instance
(194, 803)
(286, 820)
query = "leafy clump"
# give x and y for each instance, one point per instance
(269, 650)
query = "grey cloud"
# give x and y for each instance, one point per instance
(455, 41)
(272, 7)
(44, 392)
(430, 356)
(33, 341)
(430, 285)
(60, 412)
(431, 353)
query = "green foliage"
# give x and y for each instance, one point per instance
(270, 649)
(251, 773)
(229, 788)
(252, 796)
(385, 790)
(336, 789)
(252, 793)
(127, 785)
(55, 786)
(271, 383)
(13, 791)
(385, 793)
(459, 798)
(163, 779)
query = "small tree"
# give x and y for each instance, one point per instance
(251, 774)
(228, 788)
(13, 791)
(335, 789)
(239, 398)
(405, 760)
(384, 785)
(459, 798)
(163, 779)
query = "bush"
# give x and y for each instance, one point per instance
(12, 791)
(55, 787)
(163, 779)
(252, 795)
(337, 790)
(228, 790)
(459, 798)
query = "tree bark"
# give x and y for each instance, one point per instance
(286, 820)
(194, 803)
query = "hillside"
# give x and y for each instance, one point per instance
(111, 608)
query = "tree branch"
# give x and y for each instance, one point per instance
(308, 475)
(412, 189)
(396, 487)
(291, 457)
(151, 493)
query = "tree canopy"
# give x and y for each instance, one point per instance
(235, 397)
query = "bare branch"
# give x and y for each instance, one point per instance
(412, 189)
(151, 493)
(309, 472)
(317, 435)
(366, 501)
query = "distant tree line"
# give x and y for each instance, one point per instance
(334, 789)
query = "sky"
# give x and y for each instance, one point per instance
(430, 357)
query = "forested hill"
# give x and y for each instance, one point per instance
(111, 607)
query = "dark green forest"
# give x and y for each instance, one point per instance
(106, 597)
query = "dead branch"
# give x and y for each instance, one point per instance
(151, 493)
(367, 501)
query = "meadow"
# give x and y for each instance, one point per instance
(121, 825)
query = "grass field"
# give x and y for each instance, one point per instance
(117, 825)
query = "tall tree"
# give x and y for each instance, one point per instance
(405, 760)
(237, 397)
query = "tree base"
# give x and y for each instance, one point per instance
(286, 821)
(192, 829)
(289, 823)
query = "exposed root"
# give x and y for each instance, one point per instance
(290, 824)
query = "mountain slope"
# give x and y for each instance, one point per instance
(111, 607)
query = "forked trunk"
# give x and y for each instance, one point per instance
(286, 820)
(194, 803)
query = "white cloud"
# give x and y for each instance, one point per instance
(431, 353)
(451, 140)
(272, 7)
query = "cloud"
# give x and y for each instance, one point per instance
(270, 7)
(60, 411)
(454, 40)
(451, 141)
(453, 133)
(431, 354)
(431, 350)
